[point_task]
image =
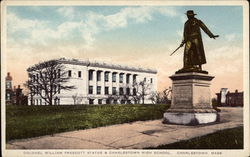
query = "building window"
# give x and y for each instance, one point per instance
(98, 76)
(151, 80)
(107, 101)
(114, 90)
(53, 73)
(127, 79)
(121, 91)
(106, 76)
(34, 78)
(37, 90)
(145, 79)
(91, 74)
(134, 91)
(98, 90)
(99, 101)
(122, 101)
(121, 78)
(8, 85)
(40, 101)
(54, 89)
(134, 79)
(113, 77)
(8, 96)
(69, 73)
(91, 101)
(59, 89)
(128, 91)
(90, 89)
(106, 90)
(79, 74)
(59, 73)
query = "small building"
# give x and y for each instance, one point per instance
(234, 99)
(8, 89)
(227, 98)
(14, 95)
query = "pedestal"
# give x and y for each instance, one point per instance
(191, 100)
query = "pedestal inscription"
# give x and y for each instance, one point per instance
(191, 100)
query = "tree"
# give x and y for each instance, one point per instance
(46, 79)
(165, 98)
(77, 99)
(155, 97)
(140, 91)
(112, 98)
(161, 97)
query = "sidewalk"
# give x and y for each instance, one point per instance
(135, 135)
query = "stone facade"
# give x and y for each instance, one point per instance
(191, 100)
(96, 82)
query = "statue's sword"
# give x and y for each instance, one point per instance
(176, 49)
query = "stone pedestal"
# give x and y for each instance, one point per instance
(191, 100)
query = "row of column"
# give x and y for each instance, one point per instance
(110, 79)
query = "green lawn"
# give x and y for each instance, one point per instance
(31, 121)
(225, 139)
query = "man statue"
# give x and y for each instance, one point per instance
(194, 55)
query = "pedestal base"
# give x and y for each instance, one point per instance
(190, 118)
(191, 100)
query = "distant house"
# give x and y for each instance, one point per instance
(226, 98)
(14, 95)
(8, 91)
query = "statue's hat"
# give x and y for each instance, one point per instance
(190, 12)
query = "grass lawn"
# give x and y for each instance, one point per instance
(32, 121)
(225, 139)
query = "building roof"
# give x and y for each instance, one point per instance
(105, 65)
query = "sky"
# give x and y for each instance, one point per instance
(143, 36)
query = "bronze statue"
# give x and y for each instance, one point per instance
(194, 55)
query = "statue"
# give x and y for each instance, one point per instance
(191, 97)
(194, 55)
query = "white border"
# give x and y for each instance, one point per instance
(228, 153)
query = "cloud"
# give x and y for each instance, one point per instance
(230, 37)
(15, 24)
(225, 60)
(87, 27)
(67, 12)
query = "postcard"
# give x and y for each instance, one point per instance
(124, 78)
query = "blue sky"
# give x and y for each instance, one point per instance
(223, 20)
(137, 35)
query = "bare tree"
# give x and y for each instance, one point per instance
(140, 91)
(30, 91)
(113, 97)
(77, 99)
(46, 79)
(166, 96)
(163, 97)
(155, 97)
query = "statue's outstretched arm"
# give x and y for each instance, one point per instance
(206, 30)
